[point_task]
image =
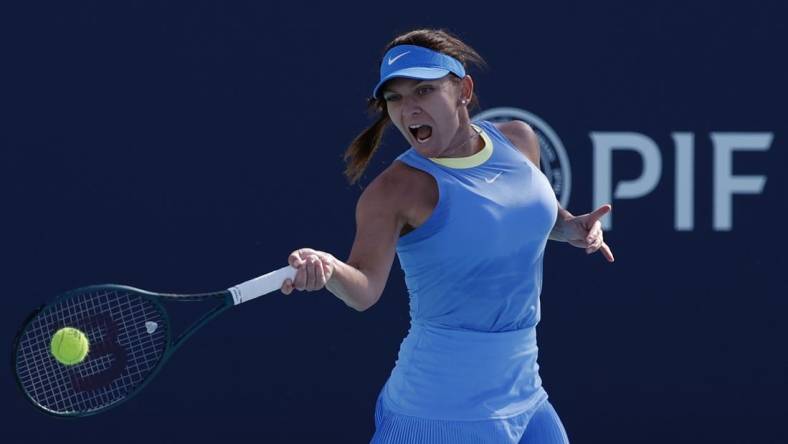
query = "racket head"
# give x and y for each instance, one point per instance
(130, 339)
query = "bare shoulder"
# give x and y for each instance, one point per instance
(381, 214)
(522, 136)
(395, 190)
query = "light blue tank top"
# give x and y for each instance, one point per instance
(473, 271)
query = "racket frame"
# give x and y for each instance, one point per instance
(171, 346)
(235, 295)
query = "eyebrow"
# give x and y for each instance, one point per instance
(388, 90)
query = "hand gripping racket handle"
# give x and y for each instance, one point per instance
(262, 285)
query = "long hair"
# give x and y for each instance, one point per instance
(360, 151)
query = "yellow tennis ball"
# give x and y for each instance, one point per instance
(69, 346)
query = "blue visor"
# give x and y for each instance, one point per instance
(416, 62)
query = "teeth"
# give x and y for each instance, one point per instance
(415, 126)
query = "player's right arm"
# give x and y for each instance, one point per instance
(380, 217)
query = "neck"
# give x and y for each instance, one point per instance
(470, 143)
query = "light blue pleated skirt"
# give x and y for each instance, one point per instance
(395, 428)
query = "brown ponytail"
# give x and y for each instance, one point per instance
(360, 151)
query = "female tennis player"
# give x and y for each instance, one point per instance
(468, 212)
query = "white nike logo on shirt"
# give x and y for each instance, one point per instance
(395, 58)
(494, 178)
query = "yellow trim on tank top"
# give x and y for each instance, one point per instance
(472, 160)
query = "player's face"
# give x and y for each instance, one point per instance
(428, 113)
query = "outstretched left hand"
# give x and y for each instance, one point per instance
(585, 231)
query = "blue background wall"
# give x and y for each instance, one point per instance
(185, 148)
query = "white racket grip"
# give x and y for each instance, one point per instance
(261, 285)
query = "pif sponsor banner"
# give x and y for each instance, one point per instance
(556, 165)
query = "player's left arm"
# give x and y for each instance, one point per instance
(583, 231)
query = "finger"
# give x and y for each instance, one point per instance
(311, 268)
(287, 286)
(326, 268)
(320, 278)
(307, 273)
(300, 279)
(318, 274)
(597, 242)
(295, 259)
(594, 232)
(599, 212)
(591, 241)
(594, 245)
(607, 253)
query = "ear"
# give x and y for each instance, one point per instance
(466, 89)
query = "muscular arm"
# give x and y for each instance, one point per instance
(359, 282)
(399, 196)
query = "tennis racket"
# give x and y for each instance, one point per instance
(130, 338)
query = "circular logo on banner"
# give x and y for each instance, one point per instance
(553, 160)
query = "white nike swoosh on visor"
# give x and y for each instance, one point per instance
(391, 61)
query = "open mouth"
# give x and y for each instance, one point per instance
(421, 133)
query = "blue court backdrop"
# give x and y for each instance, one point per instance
(186, 147)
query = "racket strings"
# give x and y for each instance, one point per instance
(128, 335)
